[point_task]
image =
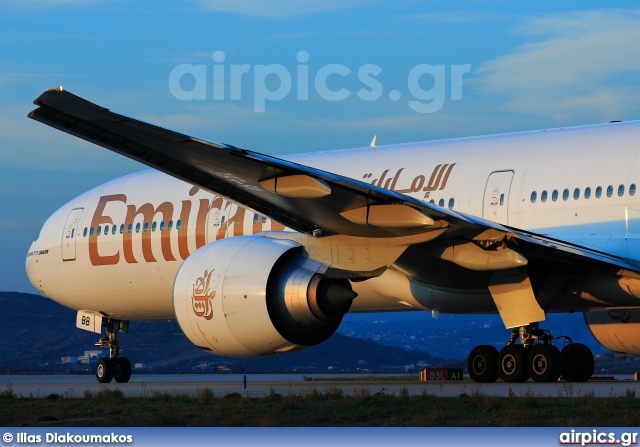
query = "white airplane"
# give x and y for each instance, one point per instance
(256, 255)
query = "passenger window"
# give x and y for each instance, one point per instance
(451, 203)
(130, 228)
(598, 192)
(154, 226)
(84, 233)
(162, 226)
(222, 221)
(99, 230)
(433, 202)
(576, 194)
(137, 228)
(178, 224)
(620, 190)
(543, 196)
(587, 192)
(170, 225)
(256, 218)
(114, 229)
(73, 232)
(554, 195)
(264, 219)
(609, 191)
(565, 194)
(534, 197)
(501, 199)
(632, 189)
(122, 229)
(91, 232)
(441, 202)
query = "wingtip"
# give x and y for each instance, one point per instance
(51, 89)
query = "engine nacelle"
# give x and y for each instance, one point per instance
(617, 330)
(249, 296)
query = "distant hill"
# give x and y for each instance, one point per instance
(36, 333)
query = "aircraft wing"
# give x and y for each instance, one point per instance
(305, 199)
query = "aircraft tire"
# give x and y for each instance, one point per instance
(512, 364)
(482, 364)
(122, 370)
(578, 363)
(544, 363)
(104, 370)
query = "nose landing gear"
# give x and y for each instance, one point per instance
(535, 357)
(113, 367)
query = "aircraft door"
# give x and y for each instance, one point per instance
(217, 221)
(213, 224)
(495, 204)
(70, 235)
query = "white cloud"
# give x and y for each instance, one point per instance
(587, 61)
(282, 9)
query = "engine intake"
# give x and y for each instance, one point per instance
(249, 296)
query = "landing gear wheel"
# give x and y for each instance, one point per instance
(104, 370)
(578, 363)
(122, 370)
(483, 364)
(544, 363)
(512, 363)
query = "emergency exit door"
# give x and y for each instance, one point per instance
(70, 235)
(496, 197)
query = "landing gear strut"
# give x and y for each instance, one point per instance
(113, 367)
(535, 357)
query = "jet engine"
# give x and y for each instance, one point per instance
(617, 330)
(250, 296)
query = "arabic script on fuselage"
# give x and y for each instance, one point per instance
(437, 181)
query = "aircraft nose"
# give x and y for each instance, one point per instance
(31, 264)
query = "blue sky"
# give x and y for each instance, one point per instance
(530, 65)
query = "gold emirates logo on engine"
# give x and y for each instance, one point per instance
(202, 298)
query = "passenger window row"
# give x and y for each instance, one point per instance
(577, 193)
(450, 204)
(113, 229)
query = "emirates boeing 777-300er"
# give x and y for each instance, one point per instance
(255, 255)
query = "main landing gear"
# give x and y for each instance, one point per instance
(113, 367)
(535, 357)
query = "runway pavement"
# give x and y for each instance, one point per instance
(262, 385)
